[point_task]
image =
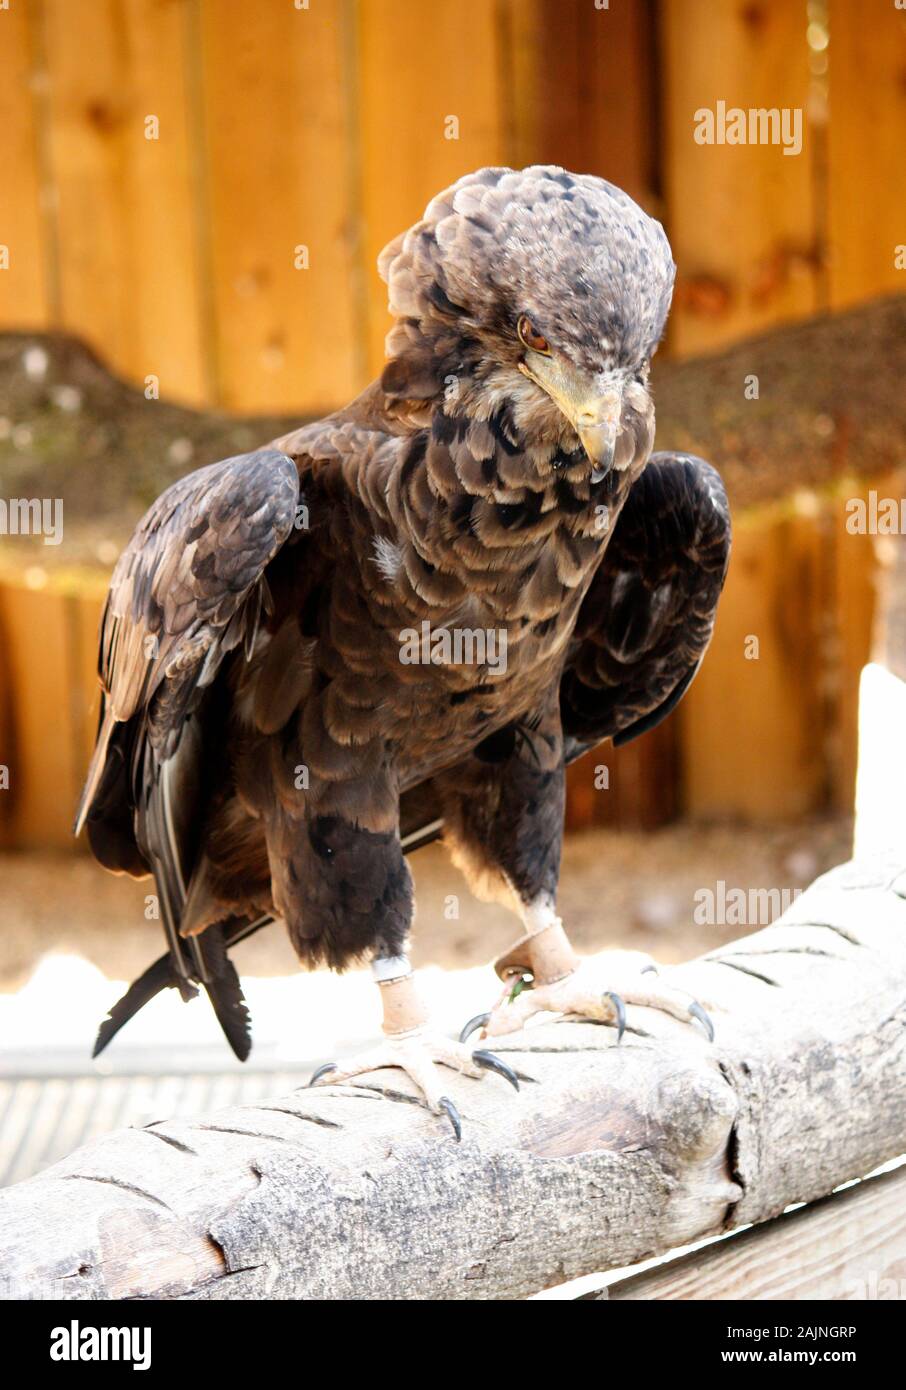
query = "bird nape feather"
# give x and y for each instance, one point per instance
(403, 620)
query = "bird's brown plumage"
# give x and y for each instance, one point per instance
(262, 744)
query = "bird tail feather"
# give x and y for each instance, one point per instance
(219, 980)
(213, 969)
(161, 975)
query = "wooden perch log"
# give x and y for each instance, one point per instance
(612, 1154)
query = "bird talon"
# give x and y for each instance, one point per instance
(619, 1009)
(479, 1021)
(492, 1062)
(449, 1109)
(696, 1011)
(322, 1071)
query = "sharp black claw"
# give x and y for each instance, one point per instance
(479, 1021)
(322, 1071)
(620, 1011)
(452, 1114)
(493, 1063)
(696, 1011)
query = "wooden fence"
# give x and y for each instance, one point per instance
(165, 158)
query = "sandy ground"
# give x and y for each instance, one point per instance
(617, 889)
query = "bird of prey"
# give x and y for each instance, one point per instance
(404, 620)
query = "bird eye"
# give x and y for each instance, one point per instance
(530, 337)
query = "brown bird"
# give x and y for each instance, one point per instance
(403, 621)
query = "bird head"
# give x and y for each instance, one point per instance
(538, 289)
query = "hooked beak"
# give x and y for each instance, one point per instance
(593, 407)
(597, 427)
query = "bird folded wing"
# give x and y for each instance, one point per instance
(187, 589)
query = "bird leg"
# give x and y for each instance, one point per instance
(413, 1046)
(541, 972)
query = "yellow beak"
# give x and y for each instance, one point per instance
(597, 426)
(593, 407)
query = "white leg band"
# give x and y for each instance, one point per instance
(387, 968)
(539, 916)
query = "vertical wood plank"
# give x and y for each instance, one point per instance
(741, 217)
(162, 204)
(754, 731)
(276, 93)
(126, 210)
(642, 790)
(866, 145)
(24, 291)
(580, 89)
(420, 64)
(45, 771)
(87, 111)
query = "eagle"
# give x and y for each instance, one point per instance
(402, 622)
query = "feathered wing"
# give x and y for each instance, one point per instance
(647, 618)
(189, 588)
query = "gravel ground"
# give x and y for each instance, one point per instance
(618, 889)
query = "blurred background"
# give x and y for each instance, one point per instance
(194, 194)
